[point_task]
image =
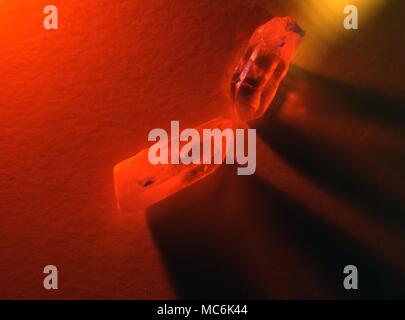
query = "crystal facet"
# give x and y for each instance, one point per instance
(263, 66)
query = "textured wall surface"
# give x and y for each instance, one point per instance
(76, 101)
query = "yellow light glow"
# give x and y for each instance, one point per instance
(323, 22)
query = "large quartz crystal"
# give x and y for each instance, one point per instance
(263, 66)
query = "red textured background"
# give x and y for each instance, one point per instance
(74, 102)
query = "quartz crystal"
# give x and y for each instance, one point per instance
(140, 184)
(263, 66)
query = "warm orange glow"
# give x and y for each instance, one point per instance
(328, 189)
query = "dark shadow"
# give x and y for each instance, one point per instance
(330, 249)
(232, 237)
(335, 97)
(189, 239)
(322, 160)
